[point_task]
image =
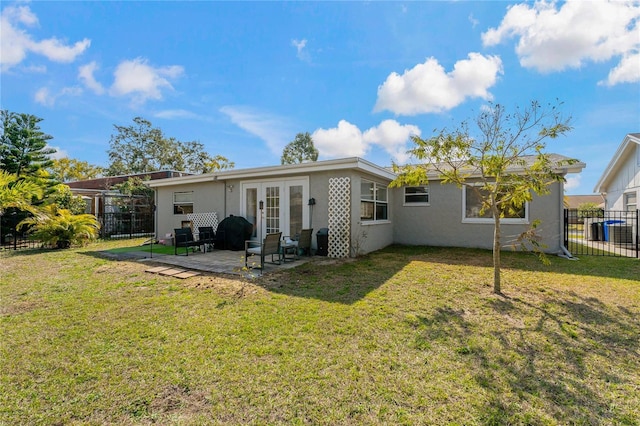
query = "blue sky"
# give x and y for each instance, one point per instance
(244, 78)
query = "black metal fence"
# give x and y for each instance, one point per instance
(126, 225)
(601, 232)
(18, 242)
(120, 217)
(126, 216)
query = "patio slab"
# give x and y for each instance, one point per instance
(220, 261)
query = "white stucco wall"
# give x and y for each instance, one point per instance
(440, 223)
(369, 236)
(208, 197)
(216, 196)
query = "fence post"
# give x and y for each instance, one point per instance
(637, 233)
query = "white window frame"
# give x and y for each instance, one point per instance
(377, 187)
(505, 220)
(416, 203)
(625, 199)
(182, 202)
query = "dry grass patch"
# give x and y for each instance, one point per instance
(401, 336)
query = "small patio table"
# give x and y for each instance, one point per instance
(289, 247)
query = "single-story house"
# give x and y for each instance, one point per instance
(620, 182)
(575, 201)
(96, 192)
(352, 199)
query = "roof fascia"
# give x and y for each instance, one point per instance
(614, 163)
(286, 170)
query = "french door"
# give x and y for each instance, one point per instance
(275, 206)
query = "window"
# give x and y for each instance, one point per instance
(416, 195)
(373, 201)
(472, 209)
(182, 202)
(630, 201)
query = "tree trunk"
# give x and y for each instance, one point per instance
(496, 254)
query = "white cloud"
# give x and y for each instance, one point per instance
(428, 88)
(170, 114)
(393, 137)
(44, 96)
(627, 71)
(300, 45)
(57, 51)
(553, 39)
(573, 182)
(85, 74)
(35, 69)
(60, 153)
(16, 43)
(274, 130)
(142, 81)
(342, 141)
(473, 20)
(347, 140)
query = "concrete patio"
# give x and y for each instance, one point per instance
(217, 261)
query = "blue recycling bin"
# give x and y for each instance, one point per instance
(605, 226)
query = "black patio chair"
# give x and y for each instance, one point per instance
(184, 238)
(207, 236)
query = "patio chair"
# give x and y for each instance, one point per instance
(184, 238)
(270, 246)
(207, 236)
(302, 242)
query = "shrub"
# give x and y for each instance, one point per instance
(60, 228)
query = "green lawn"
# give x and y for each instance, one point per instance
(127, 247)
(401, 336)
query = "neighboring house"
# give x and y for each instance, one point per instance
(575, 201)
(352, 199)
(620, 182)
(119, 214)
(96, 191)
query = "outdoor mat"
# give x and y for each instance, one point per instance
(178, 273)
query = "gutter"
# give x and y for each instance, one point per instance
(564, 252)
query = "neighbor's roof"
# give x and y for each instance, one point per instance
(353, 163)
(625, 149)
(560, 163)
(574, 201)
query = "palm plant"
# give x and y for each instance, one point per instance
(17, 193)
(60, 228)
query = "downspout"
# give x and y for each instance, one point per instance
(565, 252)
(155, 213)
(224, 191)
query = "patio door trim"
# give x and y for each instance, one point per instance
(260, 216)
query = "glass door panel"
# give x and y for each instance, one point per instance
(251, 209)
(295, 210)
(272, 208)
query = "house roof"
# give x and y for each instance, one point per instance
(106, 182)
(625, 149)
(560, 162)
(353, 163)
(574, 201)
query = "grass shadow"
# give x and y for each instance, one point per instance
(549, 365)
(335, 280)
